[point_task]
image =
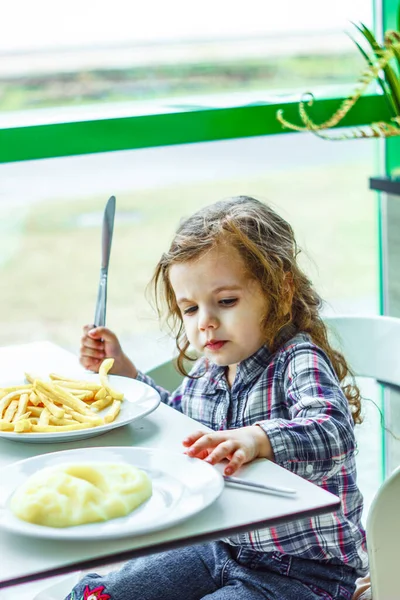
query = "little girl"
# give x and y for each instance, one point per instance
(269, 385)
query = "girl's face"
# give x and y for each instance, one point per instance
(222, 309)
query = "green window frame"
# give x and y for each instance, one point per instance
(186, 126)
(165, 127)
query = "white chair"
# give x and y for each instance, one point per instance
(166, 375)
(383, 539)
(371, 345)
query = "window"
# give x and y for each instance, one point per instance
(127, 53)
(51, 243)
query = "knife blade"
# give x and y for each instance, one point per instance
(106, 239)
(258, 487)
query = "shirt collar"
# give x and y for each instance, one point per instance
(249, 369)
(246, 372)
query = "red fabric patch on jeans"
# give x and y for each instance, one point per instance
(95, 594)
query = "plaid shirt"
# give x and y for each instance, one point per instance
(294, 395)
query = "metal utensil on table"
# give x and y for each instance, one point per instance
(253, 486)
(106, 239)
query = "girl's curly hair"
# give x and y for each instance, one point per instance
(268, 247)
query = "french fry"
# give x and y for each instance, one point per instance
(23, 426)
(45, 417)
(6, 400)
(11, 410)
(105, 366)
(30, 378)
(102, 393)
(61, 396)
(36, 411)
(78, 385)
(33, 398)
(60, 377)
(22, 406)
(67, 420)
(59, 428)
(70, 400)
(113, 412)
(22, 417)
(14, 388)
(82, 394)
(84, 418)
(56, 411)
(45, 388)
(102, 403)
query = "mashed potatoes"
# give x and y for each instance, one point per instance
(74, 494)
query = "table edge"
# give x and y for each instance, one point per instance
(167, 545)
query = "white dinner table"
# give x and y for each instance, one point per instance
(26, 559)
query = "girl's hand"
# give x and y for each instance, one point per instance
(98, 343)
(239, 446)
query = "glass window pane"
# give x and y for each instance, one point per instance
(173, 49)
(51, 215)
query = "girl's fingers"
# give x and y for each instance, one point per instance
(90, 359)
(90, 364)
(214, 448)
(193, 437)
(102, 333)
(97, 353)
(87, 342)
(204, 442)
(238, 459)
(207, 441)
(221, 452)
(87, 328)
(201, 455)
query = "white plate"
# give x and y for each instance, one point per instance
(42, 589)
(139, 400)
(182, 486)
(60, 589)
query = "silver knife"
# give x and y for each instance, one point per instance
(106, 239)
(258, 487)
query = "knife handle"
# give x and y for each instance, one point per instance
(101, 304)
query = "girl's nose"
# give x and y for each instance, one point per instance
(207, 320)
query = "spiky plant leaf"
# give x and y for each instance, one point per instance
(383, 84)
(391, 76)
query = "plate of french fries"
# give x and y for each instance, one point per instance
(59, 408)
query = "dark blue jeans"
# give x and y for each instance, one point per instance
(218, 571)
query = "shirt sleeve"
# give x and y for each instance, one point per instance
(318, 437)
(173, 399)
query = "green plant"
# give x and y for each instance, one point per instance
(383, 66)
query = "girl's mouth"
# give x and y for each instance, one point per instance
(215, 345)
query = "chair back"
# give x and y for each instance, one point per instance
(166, 375)
(383, 539)
(371, 345)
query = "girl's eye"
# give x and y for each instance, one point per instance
(228, 301)
(190, 310)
